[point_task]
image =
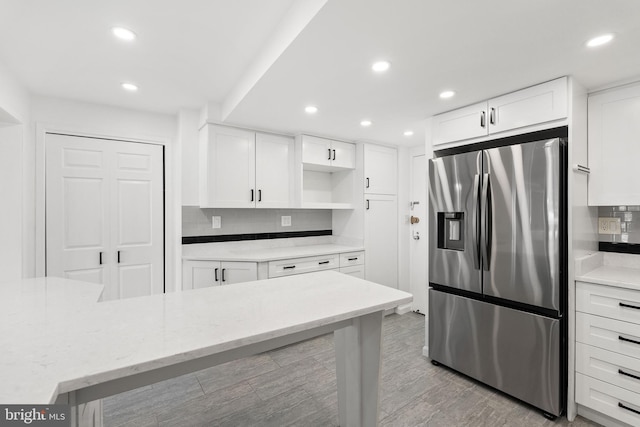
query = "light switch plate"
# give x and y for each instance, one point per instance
(216, 222)
(609, 225)
(286, 221)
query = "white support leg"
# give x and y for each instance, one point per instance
(358, 370)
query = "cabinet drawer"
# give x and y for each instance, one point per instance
(351, 258)
(608, 301)
(288, 267)
(613, 368)
(613, 335)
(613, 401)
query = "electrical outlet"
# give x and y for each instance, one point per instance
(286, 221)
(609, 225)
(216, 222)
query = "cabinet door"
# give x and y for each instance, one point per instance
(238, 272)
(343, 155)
(463, 123)
(381, 239)
(274, 171)
(200, 274)
(614, 126)
(537, 104)
(380, 169)
(316, 151)
(227, 168)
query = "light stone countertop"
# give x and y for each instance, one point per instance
(609, 268)
(56, 338)
(262, 251)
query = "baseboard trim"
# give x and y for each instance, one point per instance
(403, 309)
(425, 351)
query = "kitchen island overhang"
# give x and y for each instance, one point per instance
(67, 349)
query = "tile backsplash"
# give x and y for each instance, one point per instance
(629, 223)
(198, 222)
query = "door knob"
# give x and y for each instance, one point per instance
(414, 219)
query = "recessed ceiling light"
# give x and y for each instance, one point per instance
(408, 133)
(380, 66)
(365, 123)
(129, 86)
(123, 33)
(447, 94)
(311, 109)
(600, 40)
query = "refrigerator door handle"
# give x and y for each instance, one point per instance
(475, 222)
(486, 219)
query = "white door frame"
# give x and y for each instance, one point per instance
(172, 234)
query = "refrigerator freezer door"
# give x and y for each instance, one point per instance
(454, 259)
(523, 223)
(511, 350)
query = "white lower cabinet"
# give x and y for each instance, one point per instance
(203, 274)
(608, 351)
(381, 239)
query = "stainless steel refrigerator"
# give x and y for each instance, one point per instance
(497, 266)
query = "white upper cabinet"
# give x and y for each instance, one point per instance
(543, 103)
(537, 104)
(343, 155)
(242, 169)
(463, 123)
(274, 171)
(227, 167)
(327, 155)
(380, 169)
(614, 126)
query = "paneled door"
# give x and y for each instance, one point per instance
(105, 214)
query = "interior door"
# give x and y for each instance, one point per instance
(524, 223)
(137, 219)
(77, 215)
(105, 214)
(418, 251)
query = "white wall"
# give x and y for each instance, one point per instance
(15, 150)
(11, 202)
(51, 114)
(404, 226)
(188, 125)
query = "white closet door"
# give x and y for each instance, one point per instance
(77, 225)
(137, 217)
(274, 171)
(105, 214)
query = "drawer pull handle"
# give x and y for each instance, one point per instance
(352, 259)
(623, 406)
(629, 306)
(289, 267)
(628, 340)
(323, 262)
(621, 372)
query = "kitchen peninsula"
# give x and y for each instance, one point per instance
(61, 345)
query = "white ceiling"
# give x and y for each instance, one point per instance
(197, 52)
